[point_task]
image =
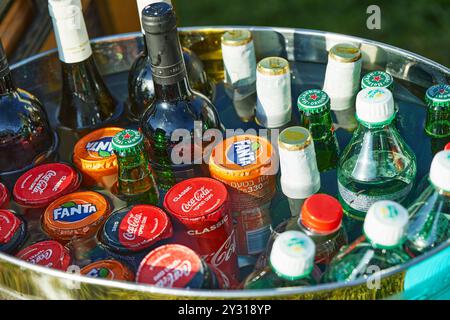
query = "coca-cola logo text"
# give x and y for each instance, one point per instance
(172, 273)
(203, 194)
(42, 182)
(135, 226)
(41, 256)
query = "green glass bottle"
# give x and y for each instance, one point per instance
(437, 99)
(381, 247)
(315, 115)
(291, 264)
(136, 182)
(377, 164)
(430, 213)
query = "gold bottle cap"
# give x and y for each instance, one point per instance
(273, 66)
(345, 53)
(236, 38)
(294, 139)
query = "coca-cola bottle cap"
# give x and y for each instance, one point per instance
(50, 254)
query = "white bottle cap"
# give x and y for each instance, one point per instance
(440, 170)
(292, 255)
(141, 4)
(375, 106)
(273, 86)
(385, 224)
(300, 177)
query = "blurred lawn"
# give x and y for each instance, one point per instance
(420, 26)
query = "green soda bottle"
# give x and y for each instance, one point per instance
(437, 99)
(315, 115)
(136, 182)
(377, 164)
(430, 213)
(381, 247)
(291, 264)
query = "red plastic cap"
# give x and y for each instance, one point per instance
(42, 185)
(447, 147)
(322, 213)
(4, 196)
(9, 224)
(50, 254)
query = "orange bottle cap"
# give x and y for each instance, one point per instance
(109, 270)
(74, 216)
(241, 158)
(322, 213)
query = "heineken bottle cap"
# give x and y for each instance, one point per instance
(4, 196)
(50, 254)
(438, 96)
(108, 269)
(375, 106)
(127, 141)
(236, 38)
(292, 255)
(377, 79)
(13, 231)
(313, 101)
(345, 53)
(385, 223)
(440, 170)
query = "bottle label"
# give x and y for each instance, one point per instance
(362, 202)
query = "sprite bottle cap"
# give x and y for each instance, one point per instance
(314, 101)
(375, 106)
(440, 170)
(292, 255)
(4, 196)
(385, 223)
(438, 96)
(109, 270)
(50, 254)
(13, 231)
(377, 79)
(322, 213)
(127, 141)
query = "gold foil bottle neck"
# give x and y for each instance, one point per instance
(345, 53)
(236, 38)
(273, 66)
(294, 139)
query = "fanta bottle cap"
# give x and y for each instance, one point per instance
(43, 184)
(322, 213)
(440, 170)
(50, 254)
(13, 231)
(292, 255)
(375, 106)
(136, 228)
(4, 196)
(74, 216)
(108, 270)
(172, 266)
(385, 224)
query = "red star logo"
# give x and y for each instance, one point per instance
(442, 91)
(127, 136)
(313, 97)
(377, 78)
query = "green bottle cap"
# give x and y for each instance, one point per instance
(314, 101)
(438, 96)
(127, 140)
(377, 79)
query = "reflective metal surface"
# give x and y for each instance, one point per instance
(425, 277)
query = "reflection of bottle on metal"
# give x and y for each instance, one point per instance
(342, 78)
(437, 99)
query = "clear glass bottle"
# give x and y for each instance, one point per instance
(380, 248)
(430, 213)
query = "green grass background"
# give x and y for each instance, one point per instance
(419, 26)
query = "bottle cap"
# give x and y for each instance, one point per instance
(4, 196)
(13, 231)
(172, 266)
(322, 213)
(44, 184)
(378, 79)
(345, 53)
(74, 216)
(4, 66)
(375, 106)
(94, 157)
(447, 147)
(385, 223)
(313, 101)
(158, 18)
(236, 38)
(292, 255)
(109, 270)
(127, 141)
(50, 254)
(136, 228)
(440, 170)
(141, 4)
(438, 96)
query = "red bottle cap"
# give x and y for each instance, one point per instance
(108, 269)
(41, 185)
(4, 196)
(9, 224)
(50, 254)
(171, 266)
(322, 213)
(447, 147)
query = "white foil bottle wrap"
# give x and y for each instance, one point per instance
(273, 87)
(70, 30)
(141, 4)
(343, 76)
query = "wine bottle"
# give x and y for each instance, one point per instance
(175, 106)
(26, 138)
(86, 101)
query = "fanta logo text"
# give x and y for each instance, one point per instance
(103, 147)
(41, 256)
(135, 226)
(244, 152)
(98, 273)
(172, 273)
(209, 229)
(203, 194)
(72, 212)
(42, 182)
